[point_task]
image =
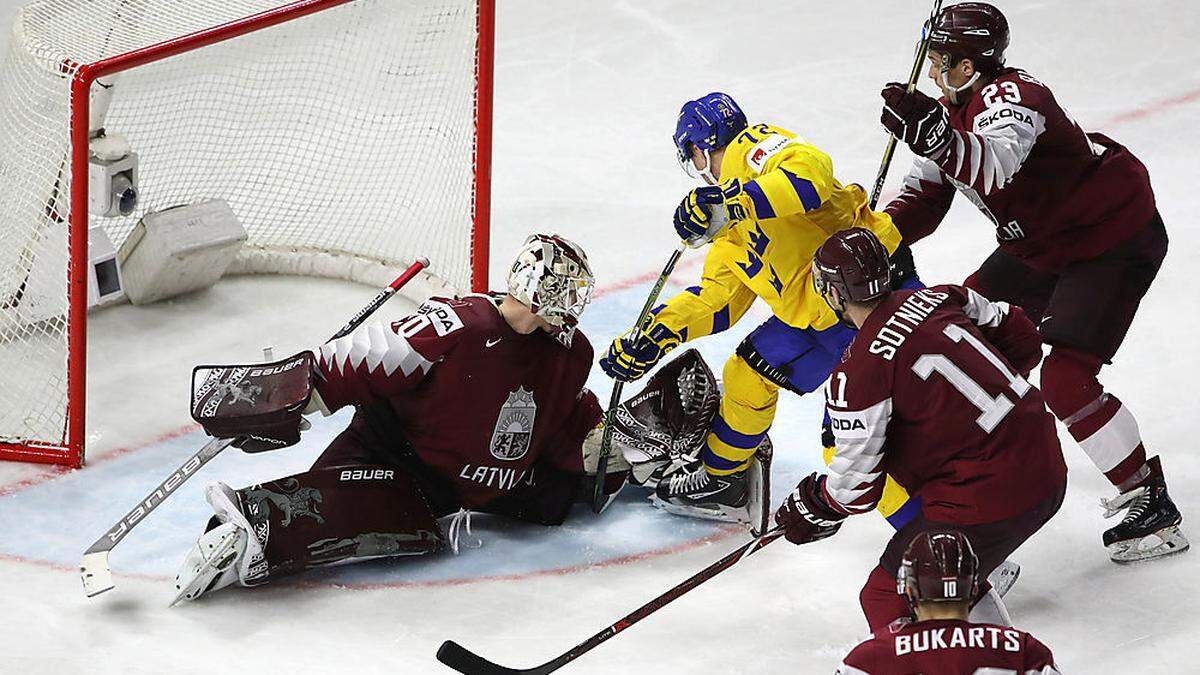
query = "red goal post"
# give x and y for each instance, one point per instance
(67, 448)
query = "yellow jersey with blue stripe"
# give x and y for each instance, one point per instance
(792, 204)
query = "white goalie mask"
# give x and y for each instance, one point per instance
(551, 277)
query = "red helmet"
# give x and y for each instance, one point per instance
(971, 30)
(854, 263)
(938, 567)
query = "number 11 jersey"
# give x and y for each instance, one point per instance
(932, 392)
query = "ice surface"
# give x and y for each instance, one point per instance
(586, 96)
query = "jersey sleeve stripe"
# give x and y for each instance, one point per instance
(856, 478)
(721, 319)
(805, 190)
(983, 311)
(762, 205)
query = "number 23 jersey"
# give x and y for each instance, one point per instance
(932, 392)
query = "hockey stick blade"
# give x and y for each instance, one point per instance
(97, 575)
(465, 661)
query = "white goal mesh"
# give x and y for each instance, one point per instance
(343, 140)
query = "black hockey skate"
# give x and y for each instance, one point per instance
(1150, 528)
(742, 497)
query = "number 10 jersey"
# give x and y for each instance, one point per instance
(933, 393)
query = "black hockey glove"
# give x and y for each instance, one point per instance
(804, 515)
(903, 266)
(916, 119)
(259, 404)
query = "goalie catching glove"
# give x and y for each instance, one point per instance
(661, 429)
(261, 405)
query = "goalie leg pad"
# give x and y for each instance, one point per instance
(327, 516)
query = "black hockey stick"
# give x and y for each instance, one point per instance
(464, 661)
(922, 50)
(598, 499)
(94, 568)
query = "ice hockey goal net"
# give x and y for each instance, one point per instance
(348, 136)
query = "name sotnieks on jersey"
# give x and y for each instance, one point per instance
(904, 321)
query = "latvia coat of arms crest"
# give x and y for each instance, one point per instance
(514, 426)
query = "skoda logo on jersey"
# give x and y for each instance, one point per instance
(514, 426)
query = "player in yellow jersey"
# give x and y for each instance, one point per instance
(782, 201)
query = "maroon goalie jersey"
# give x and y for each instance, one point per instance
(1056, 194)
(482, 405)
(949, 647)
(931, 391)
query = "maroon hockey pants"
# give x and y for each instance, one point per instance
(1084, 313)
(993, 544)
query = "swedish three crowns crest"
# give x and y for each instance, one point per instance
(514, 426)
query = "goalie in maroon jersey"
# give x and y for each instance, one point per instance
(1080, 241)
(471, 404)
(938, 579)
(932, 392)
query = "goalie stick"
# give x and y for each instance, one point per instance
(94, 568)
(922, 50)
(465, 661)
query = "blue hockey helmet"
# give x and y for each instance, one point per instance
(709, 123)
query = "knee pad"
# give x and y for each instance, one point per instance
(749, 390)
(1069, 381)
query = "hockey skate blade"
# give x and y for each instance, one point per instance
(1170, 542)
(721, 514)
(96, 574)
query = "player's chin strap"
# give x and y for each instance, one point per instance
(705, 174)
(952, 92)
(462, 521)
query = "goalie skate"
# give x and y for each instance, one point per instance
(212, 562)
(1150, 528)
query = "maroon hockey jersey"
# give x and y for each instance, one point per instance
(1056, 194)
(931, 391)
(948, 647)
(482, 405)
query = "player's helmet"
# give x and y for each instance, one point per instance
(855, 264)
(971, 30)
(938, 567)
(551, 276)
(709, 123)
